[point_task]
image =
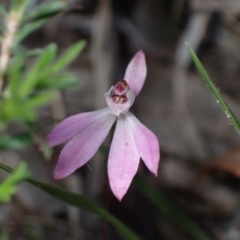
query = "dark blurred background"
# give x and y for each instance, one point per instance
(200, 155)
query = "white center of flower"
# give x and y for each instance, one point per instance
(120, 98)
(119, 92)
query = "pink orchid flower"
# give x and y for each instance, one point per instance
(85, 132)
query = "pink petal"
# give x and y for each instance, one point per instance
(136, 72)
(146, 143)
(71, 126)
(83, 146)
(123, 158)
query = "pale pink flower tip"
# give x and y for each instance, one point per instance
(85, 132)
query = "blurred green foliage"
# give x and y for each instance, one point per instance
(19, 5)
(3, 235)
(29, 79)
(46, 10)
(30, 88)
(8, 186)
(80, 202)
(17, 141)
(32, 76)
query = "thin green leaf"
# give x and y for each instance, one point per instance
(46, 57)
(34, 52)
(38, 100)
(61, 82)
(19, 5)
(171, 211)
(46, 10)
(10, 111)
(43, 70)
(32, 77)
(15, 142)
(24, 53)
(68, 56)
(14, 72)
(81, 202)
(27, 29)
(214, 90)
(8, 187)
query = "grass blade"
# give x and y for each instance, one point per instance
(81, 202)
(214, 90)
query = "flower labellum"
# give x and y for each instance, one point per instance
(85, 132)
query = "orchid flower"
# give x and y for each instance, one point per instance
(85, 132)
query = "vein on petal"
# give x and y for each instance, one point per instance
(83, 146)
(72, 125)
(123, 158)
(146, 143)
(136, 72)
